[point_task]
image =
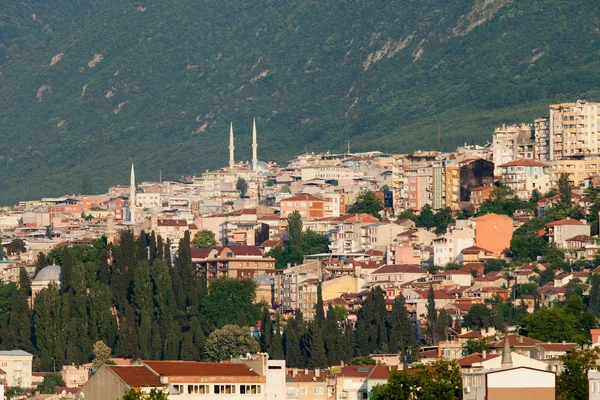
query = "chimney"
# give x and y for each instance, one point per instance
(342, 363)
(306, 371)
(483, 354)
(294, 372)
(317, 373)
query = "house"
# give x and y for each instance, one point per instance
(549, 351)
(560, 231)
(398, 273)
(232, 262)
(309, 206)
(357, 382)
(520, 383)
(306, 384)
(74, 376)
(111, 382)
(519, 344)
(493, 232)
(17, 365)
(475, 254)
(480, 194)
(525, 175)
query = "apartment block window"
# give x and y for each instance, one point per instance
(198, 389)
(250, 389)
(318, 390)
(224, 389)
(303, 390)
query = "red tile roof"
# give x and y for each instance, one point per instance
(136, 375)
(566, 221)
(305, 376)
(200, 252)
(524, 163)
(474, 358)
(558, 346)
(192, 368)
(172, 222)
(400, 268)
(516, 341)
(303, 197)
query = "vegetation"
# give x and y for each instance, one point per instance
(441, 381)
(135, 81)
(154, 394)
(230, 341)
(51, 381)
(573, 381)
(367, 202)
(204, 239)
(242, 185)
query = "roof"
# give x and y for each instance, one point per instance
(400, 268)
(244, 250)
(192, 368)
(557, 346)
(580, 238)
(49, 273)
(136, 375)
(566, 221)
(303, 197)
(14, 353)
(172, 222)
(474, 358)
(474, 249)
(304, 376)
(524, 163)
(378, 372)
(200, 252)
(516, 341)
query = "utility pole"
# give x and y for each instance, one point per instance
(160, 175)
(439, 137)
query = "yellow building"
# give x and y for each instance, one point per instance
(579, 170)
(574, 129)
(17, 364)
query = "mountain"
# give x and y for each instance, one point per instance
(93, 85)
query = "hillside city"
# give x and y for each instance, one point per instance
(472, 274)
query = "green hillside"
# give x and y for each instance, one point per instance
(91, 86)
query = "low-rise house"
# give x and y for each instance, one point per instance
(397, 274)
(357, 382)
(560, 231)
(74, 376)
(307, 384)
(232, 262)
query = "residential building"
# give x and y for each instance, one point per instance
(493, 232)
(448, 247)
(593, 376)
(541, 127)
(74, 376)
(17, 365)
(347, 236)
(307, 384)
(512, 143)
(574, 129)
(525, 175)
(480, 194)
(309, 206)
(560, 231)
(580, 170)
(520, 383)
(397, 274)
(357, 382)
(232, 262)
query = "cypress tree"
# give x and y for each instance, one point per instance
(276, 346)
(266, 330)
(156, 343)
(318, 359)
(185, 270)
(401, 331)
(188, 350)
(334, 340)
(142, 290)
(66, 270)
(198, 337)
(319, 308)
(153, 249)
(18, 330)
(104, 267)
(595, 295)
(291, 340)
(432, 325)
(141, 248)
(167, 254)
(42, 262)
(160, 248)
(24, 282)
(145, 336)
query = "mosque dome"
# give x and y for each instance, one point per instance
(262, 166)
(49, 273)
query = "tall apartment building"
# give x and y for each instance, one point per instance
(574, 130)
(17, 364)
(541, 139)
(511, 143)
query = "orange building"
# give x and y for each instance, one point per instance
(309, 206)
(493, 232)
(480, 195)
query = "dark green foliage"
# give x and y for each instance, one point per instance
(573, 382)
(564, 191)
(318, 357)
(402, 336)
(527, 243)
(567, 323)
(276, 347)
(363, 360)
(480, 316)
(476, 346)
(504, 201)
(242, 186)
(204, 239)
(51, 381)
(594, 303)
(371, 330)
(231, 301)
(367, 203)
(87, 183)
(291, 340)
(441, 380)
(426, 217)
(334, 338)
(266, 330)
(18, 330)
(16, 246)
(24, 281)
(494, 265)
(437, 322)
(154, 394)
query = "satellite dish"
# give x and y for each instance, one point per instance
(81, 395)
(63, 394)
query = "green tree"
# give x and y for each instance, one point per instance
(573, 381)
(402, 336)
(87, 183)
(294, 223)
(101, 354)
(595, 296)
(362, 360)
(291, 340)
(527, 242)
(204, 239)
(15, 247)
(266, 330)
(276, 347)
(564, 191)
(231, 301)
(472, 346)
(494, 266)
(426, 217)
(51, 381)
(318, 357)
(367, 202)
(24, 281)
(17, 334)
(230, 341)
(435, 327)
(442, 380)
(242, 186)
(154, 394)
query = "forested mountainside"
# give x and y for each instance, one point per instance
(93, 85)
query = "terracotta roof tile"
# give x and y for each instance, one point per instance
(136, 375)
(192, 368)
(400, 268)
(566, 221)
(524, 163)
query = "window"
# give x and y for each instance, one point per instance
(198, 389)
(250, 389)
(318, 390)
(303, 390)
(224, 389)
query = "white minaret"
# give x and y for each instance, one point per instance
(231, 147)
(132, 193)
(254, 147)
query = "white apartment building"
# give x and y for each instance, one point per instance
(511, 143)
(17, 364)
(574, 129)
(447, 248)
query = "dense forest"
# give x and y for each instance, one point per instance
(90, 86)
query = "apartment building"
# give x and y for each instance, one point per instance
(574, 129)
(309, 206)
(541, 137)
(524, 175)
(232, 262)
(513, 142)
(17, 365)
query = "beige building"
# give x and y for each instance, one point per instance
(521, 383)
(74, 376)
(579, 170)
(574, 129)
(17, 365)
(559, 232)
(307, 384)
(512, 143)
(524, 175)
